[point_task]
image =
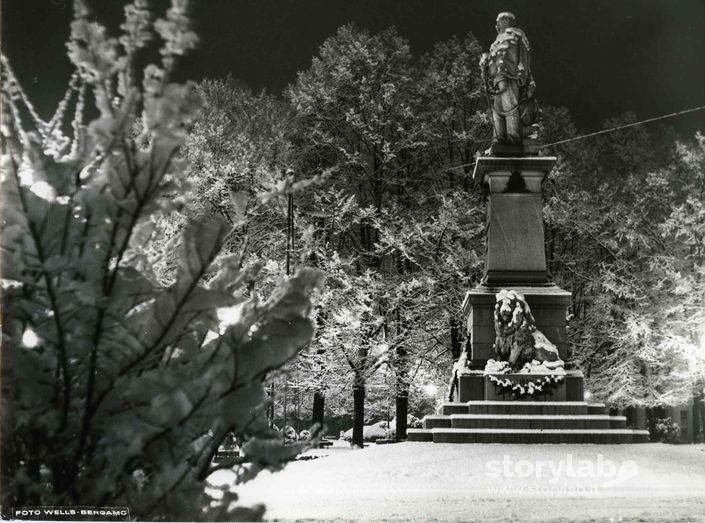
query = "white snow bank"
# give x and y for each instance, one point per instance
(446, 482)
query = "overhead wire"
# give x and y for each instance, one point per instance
(604, 131)
(625, 126)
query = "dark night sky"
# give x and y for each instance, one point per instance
(599, 58)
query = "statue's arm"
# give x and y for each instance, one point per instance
(524, 61)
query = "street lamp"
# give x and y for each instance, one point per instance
(431, 390)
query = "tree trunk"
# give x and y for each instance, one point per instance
(358, 413)
(402, 390)
(318, 403)
(402, 413)
(402, 385)
(698, 415)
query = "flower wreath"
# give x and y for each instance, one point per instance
(542, 385)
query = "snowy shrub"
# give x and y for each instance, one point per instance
(118, 389)
(667, 430)
(412, 422)
(290, 434)
(369, 433)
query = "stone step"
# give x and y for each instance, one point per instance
(524, 407)
(640, 436)
(525, 421)
(589, 421)
(492, 435)
(449, 408)
(436, 421)
(597, 408)
(618, 422)
(528, 421)
(419, 435)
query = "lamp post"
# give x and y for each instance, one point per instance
(431, 390)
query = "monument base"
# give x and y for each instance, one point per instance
(517, 407)
(476, 386)
(496, 392)
(485, 413)
(549, 305)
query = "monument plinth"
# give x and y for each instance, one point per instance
(515, 237)
(515, 256)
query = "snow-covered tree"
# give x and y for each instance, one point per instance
(623, 234)
(392, 208)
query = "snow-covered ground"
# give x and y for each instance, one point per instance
(447, 482)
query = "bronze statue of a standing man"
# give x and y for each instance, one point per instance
(507, 72)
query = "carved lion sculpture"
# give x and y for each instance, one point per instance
(518, 340)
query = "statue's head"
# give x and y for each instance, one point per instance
(505, 20)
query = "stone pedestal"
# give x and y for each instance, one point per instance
(515, 238)
(515, 257)
(471, 387)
